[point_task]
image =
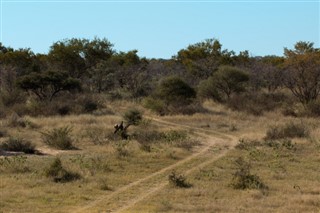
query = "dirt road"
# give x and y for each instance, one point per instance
(214, 146)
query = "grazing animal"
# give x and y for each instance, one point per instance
(118, 127)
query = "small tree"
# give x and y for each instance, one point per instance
(302, 72)
(46, 85)
(174, 91)
(228, 80)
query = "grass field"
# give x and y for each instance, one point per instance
(114, 175)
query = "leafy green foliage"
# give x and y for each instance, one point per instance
(14, 164)
(289, 130)
(178, 180)
(18, 145)
(46, 85)
(243, 179)
(302, 72)
(176, 92)
(223, 83)
(228, 80)
(92, 164)
(155, 105)
(133, 117)
(59, 138)
(76, 55)
(59, 174)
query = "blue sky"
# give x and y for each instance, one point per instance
(159, 29)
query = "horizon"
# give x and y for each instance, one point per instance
(159, 29)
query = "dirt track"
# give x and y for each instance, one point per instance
(214, 147)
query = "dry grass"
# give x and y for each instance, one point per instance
(292, 175)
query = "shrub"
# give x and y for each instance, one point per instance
(59, 138)
(3, 133)
(174, 91)
(178, 180)
(155, 105)
(174, 135)
(314, 108)
(14, 164)
(122, 150)
(59, 174)
(133, 117)
(16, 121)
(283, 143)
(243, 179)
(256, 103)
(90, 106)
(91, 164)
(289, 130)
(245, 144)
(103, 185)
(64, 110)
(18, 145)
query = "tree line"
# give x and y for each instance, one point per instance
(75, 67)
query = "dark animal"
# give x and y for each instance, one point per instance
(118, 127)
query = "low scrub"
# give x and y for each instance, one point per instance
(133, 117)
(174, 137)
(178, 180)
(93, 164)
(16, 121)
(283, 143)
(59, 138)
(245, 144)
(3, 133)
(289, 130)
(59, 174)
(18, 145)
(14, 164)
(243, 179)
(314, 108)
(256, 103)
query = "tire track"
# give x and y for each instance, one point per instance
(147, 186)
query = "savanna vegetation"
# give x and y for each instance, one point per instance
(208, 130)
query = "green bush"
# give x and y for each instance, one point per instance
(155, 105)
(64, 110)
(59, 138)
(314, 108)
(93, 164)
(122, 149)
(289, 130)
(133, 117)
(3, 133)
(283, 143)
(16, 121)
(90, 106)
(14, 164)
(178, 180)
(245, 144)
(58, 174)
(256, 103)
(174, 91)
(18, 145)
(243, 179)
(174, 135)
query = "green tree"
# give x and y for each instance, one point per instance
(22, 60)
(77, 55)
(228, 80)
(302, 71)
(48, 84)
(174, 91)
(203, 58)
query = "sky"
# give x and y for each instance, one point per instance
(160, 28)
